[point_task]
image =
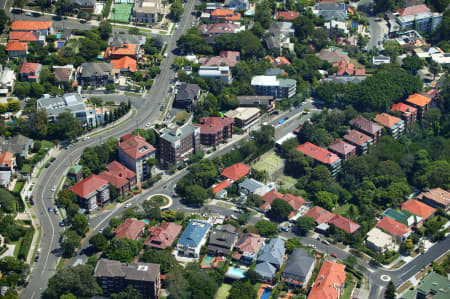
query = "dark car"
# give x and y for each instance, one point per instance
(161, 108)
(47, 165)
(36, 258)
(52, 159)
(49, 209)
(31, 201)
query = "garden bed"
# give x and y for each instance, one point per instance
(158, 200)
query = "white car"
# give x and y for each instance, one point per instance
(54, 188)
(127, 205)
(148, 125)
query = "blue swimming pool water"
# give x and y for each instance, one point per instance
(236, 272)
(146, 221)
(250, 12)
(266, 294)
(58, 34)
(207, 260)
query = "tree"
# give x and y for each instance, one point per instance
(123, 250)
(326, 200)
(105, 30)
(266, 228)
(390, 291)
(202, 285)
(176, 10)
(68, 126)
(71, 240)
(22, 89)
(78, 281)
(99, 242)
(303, 26)
(63, 6)
(434, 68)
(350, 261)
(242, 290)
(7, 201)
(129, 293)
(280, 210)
(13, 105)
(4, 19)
(320, 38)
(19, 3)
(392, 49)
(68, 296)
(304, 224)
(165, 258)
(195, 194)
(412, 64)
(80, 224)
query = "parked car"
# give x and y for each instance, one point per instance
(127, 205)
(333, 255)
(325, 242)
(61, 223)
(161, 108)
(54, 188)
(55, 210)
(52, 159)
(47, 165)
(49, 209)
(36, 258)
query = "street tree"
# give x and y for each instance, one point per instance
(71, 240)
(176, 10)
(80, 224)
(280, 210)
(390, 291)
(266, 228)
(304, 224)
(105, 30)
(412, 64)
(78, 281)
(99, 242)
(434, 68)
(392, 49)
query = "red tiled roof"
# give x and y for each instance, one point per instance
(125, 137)
(130, 229)
(320, 215)
(249, 243)
(331, 277)
(116, 181)
(345, 224)
(222, 185)
(7, 158)
(345, 68)
(356, 137)
(280, 60)
(294, 201)
(341, 147)
(226, 14)
(117, 174)
(125, 62)
(163, 236)
(213, 125)
(392, 227)
(136, 147)
(236, 171)
(413, 10)
(418, 100)
(287, 15)
(366, 125)
(26, 36)
(406, 109)
(123, 50)
(418, 208)
(30, 25)
(387, 120)
(229, 58)
(29, 67)
(16, 46)
(88, 185)
(317, 153)
(437, 195)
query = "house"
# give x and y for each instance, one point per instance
(267, 103)
(115, 277)
(272, 86)
(125, 64)
(270, 259)
(279, 36)
(287, 15)
(220, 14)
(18, 145)
(29, 71)
(345, 224)
(379, 241)
(237, 4)
(134, 152)
(130, 229)
(394, 125)
(330, 282)
(321, 156)
(163, 236)
(409, 113)
(7, 161)
(214, 30)
(124, 50)
(368, 127)
(219, 190)
(360, 140)
(7, 80)
(69, 102)
(27, 37)
(343, 149)
(418, 17)
(92, 192)
(120, 177)
(421, 102)
(402, 216)
(377, 60)
(252, 186)
(298, 269)
(187, 94)
(222, 240)
(347, 69)
(331, 11)
(225, 58)
(85, 5)
(247, 248)
(43, 27)
(433, 285)
(95, 74)
(75, 173)
(320, 215)
(146, 11)
(244, 117)
(117, 40)
(193, 238)
(336, 26)
(396, 229)
(215, 129)
(64, 73)
(418, 208)
(296, 202)
(235, 172)
(278, 61)
(222, 73)
(333, 55)
(436, 198)
(178, 145)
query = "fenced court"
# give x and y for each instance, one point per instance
(121, 12)
(272, 164)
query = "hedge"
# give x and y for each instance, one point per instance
(26, 244)
(107, 8)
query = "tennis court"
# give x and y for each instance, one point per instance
(121, 12)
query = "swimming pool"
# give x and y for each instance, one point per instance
(266, 294)
(235, 273)
(250, 12)
(207, 261)
(146, 221)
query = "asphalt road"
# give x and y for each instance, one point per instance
(45, 267)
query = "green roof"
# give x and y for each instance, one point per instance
(75, 169)
(435, 284)
(399, 216)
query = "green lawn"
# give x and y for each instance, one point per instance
(286, 182)
(223, 291)
(18, 186)
(182, 116)
(342, 210)
(26, 168)
(348, 290)
(269, 163)
(46, 146)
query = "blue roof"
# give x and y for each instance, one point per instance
(273, 253)
(266, 270)
(194, 233)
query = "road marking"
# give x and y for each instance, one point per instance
(412, 268)
(51, 225)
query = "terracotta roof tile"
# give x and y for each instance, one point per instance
(222, 185)
(29, 67)
(418, 100)
(317, 153)
(320, 215)
(30, 25)
(16, 46)
(117, 174)
(26, 36)
(366, 126)
(250, 243)
(163, 236)
(226, 14)
(287, 15)
(393, 227)
(124, 50)
(413, 10)
(125, 62)
(228, 58)
(387, 120)
(418, 208)
(88, 185)
(341, 147)
(330, 277)
(406, 109)
(236, 171)
(136, 147)
(213, 125)
(7, 158)
(356, 137)
(345, 224)
(130, 229)
(280, 60)
(294, 201)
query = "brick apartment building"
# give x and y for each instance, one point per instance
(215, 129)
(177, 145)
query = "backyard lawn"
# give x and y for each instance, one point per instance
(343, 210)
(269, 163)
(223, 291)
(18, 186)
(286, 182)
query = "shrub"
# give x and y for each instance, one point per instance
(26, 243)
